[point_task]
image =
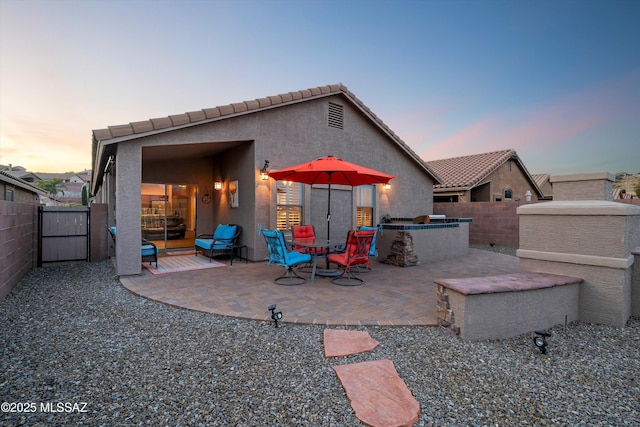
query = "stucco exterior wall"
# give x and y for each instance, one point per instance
(19, 195)
(588, 186)
(510, 176)
(429, 244)
(127, 212)
(508, 314)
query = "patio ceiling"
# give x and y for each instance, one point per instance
(186, 151)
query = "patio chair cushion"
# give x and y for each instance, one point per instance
(148, 249)
(305, 233)
(295, 258)
(278, 253)
(222, 238)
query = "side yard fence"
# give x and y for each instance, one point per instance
(18, 242)
(33, 235)
(493, 222)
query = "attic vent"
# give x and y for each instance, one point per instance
(336, 116)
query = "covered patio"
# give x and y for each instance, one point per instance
(391, 296)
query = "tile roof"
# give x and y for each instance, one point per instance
(225, 111)
(468, 171)
(540, 178)
(10, 178)
(123, 132)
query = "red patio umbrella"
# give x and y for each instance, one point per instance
(331, 170)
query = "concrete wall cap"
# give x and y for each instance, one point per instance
(598, 261)
(579, 207)
(583, 177)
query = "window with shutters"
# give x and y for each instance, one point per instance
(289, 204)
(364, 205)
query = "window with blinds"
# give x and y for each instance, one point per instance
(365, 202)
(290, 201)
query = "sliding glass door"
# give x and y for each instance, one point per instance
(168, 214)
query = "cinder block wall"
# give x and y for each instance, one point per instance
(493, 222)
(18, 242)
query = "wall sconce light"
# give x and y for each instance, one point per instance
(275, 315)
(387, 186)
(217, 185)
(264, 172)
(540, 341)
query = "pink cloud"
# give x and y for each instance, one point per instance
(461, 143)
(561, 122)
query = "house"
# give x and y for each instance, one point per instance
(543, 180)
(72, 183)
(486, 177)
(13, 189)
(203, 168)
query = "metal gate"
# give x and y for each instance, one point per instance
(64, 234)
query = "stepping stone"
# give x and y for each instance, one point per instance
(338, 342)
(378, 395)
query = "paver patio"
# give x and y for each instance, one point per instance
(391, 295)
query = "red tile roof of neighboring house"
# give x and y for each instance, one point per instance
(540, 178)
(119, 133)
(466, 172)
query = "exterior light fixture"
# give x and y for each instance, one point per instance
(264, 172)
(275, 315)
(217, 185)
(540, 341)
(387, 186)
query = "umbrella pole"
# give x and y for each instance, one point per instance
(329, 212)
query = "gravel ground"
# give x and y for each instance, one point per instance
(73, 334)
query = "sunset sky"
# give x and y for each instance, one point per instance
(558, 81)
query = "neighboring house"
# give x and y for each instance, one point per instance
(13, 189)
(486, 177)
(72, 183)
(20, 172)
(543, 181)
(202, 168)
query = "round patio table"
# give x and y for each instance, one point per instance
(316, 244)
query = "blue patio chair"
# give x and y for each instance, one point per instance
(279, 254)
(148, 250)
(223, 240)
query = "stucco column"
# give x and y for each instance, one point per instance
(128, 183)
(591, 239)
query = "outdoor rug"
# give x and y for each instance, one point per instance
(173, 264)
